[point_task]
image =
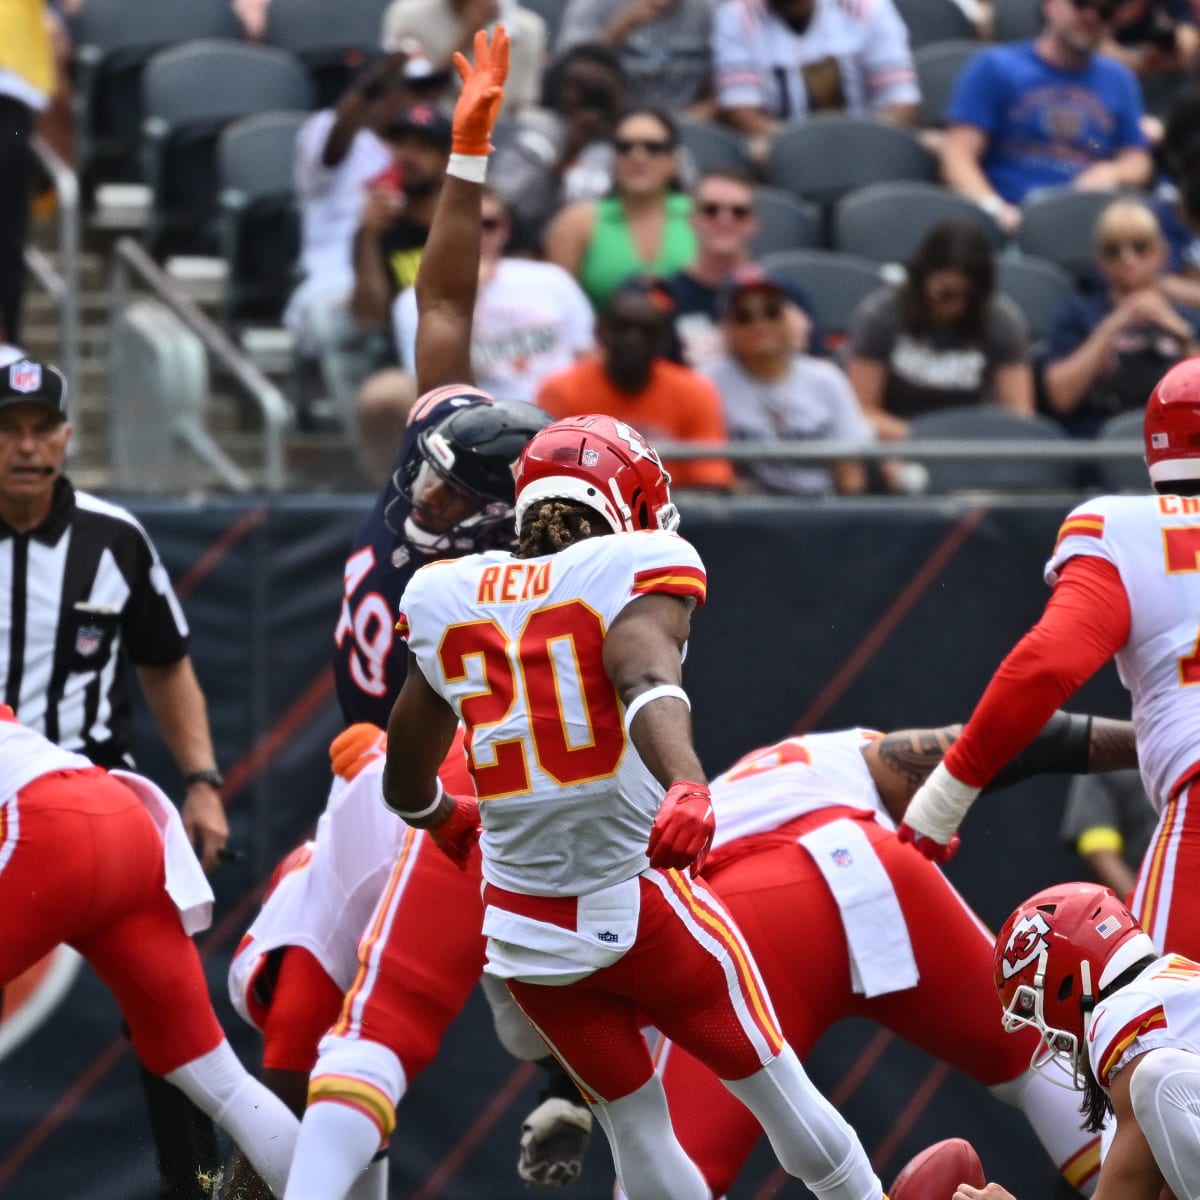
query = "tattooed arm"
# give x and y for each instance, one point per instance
(1069, 743)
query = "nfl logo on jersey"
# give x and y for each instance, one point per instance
(87, 640)
(842, 858)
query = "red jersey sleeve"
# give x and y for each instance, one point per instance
(1084, 624)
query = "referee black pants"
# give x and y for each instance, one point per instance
(16, 178)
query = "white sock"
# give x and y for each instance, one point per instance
(260, 1123)
(650, 1162)
(335, 1141)
(372, 1184)
(809, 1136)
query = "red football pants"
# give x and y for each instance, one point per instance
(83, 864)
(420, 956)
(779, 899)
(1167, 897)
(305, 1002)
(688, 973)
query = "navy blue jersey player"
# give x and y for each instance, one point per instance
(452, 490)
(450, 494)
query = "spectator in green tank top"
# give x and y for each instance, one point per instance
(642, 227)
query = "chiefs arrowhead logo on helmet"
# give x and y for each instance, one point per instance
(1026, 943)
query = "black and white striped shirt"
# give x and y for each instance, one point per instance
(79, 595)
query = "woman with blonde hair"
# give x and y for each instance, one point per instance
(1110, 346)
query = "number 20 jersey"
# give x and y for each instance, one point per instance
(515, 647)
(1154, 543)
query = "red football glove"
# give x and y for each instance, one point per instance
(356, 747)
(935, 851)
(683, 830)
(459, 833)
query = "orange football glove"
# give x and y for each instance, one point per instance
(482, 93)
(356, 747)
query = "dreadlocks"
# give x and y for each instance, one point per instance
(555, 524)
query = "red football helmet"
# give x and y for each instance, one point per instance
(1172, 424)
(602, 463)
(1053, 957)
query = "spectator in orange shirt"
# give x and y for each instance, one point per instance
(634, 380)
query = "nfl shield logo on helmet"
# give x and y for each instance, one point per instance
(87, 640)
(25, 376)
(591, 458)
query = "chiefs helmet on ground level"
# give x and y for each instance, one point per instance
(1053, 957)
(459, 478)
(602, 463)
(1172, 424)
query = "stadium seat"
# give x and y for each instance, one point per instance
(837, 283)
(1037, 286)
(985, 422)
(333, 51)
(710, 146)
(938, 67)
(784, 223)
(1016, 20)
(823, 157)
(114, 39)
(190, 94)
(868, 222)
(1058, 225)
(1123, 474)
(259, 220)
(931, 21)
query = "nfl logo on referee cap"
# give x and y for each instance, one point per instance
(27, 381)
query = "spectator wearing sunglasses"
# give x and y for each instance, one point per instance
(642, 226)
(1108, 348)
(1047, 113)
(770, 392)
(941, 339)
(724, 222)
(633, 380)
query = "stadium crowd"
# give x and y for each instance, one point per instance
(520, 266)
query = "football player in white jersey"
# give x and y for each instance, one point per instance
(564, 662)
(1126, 578)
(100, 860)
(1073, 964)
(806, 826)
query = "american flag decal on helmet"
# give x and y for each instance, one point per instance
(1159, 441)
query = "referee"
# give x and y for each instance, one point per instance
(82, 590)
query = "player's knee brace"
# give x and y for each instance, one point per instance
(362, 1074)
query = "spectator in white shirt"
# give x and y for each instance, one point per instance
(779, 60)
(531, 318)
(663, 46)
(771, 392)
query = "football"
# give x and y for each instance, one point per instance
(937, 1171)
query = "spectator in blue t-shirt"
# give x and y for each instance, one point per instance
(1047, 113)
(1108, 348)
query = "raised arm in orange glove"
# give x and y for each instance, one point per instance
(482, 93)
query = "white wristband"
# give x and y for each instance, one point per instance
(939, 806)
(471, 167)
(439, 792)
(648, 697)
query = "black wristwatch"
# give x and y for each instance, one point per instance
(210, 776)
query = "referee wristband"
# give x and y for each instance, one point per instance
(404, 815)
(648, 697)
(471, 167)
